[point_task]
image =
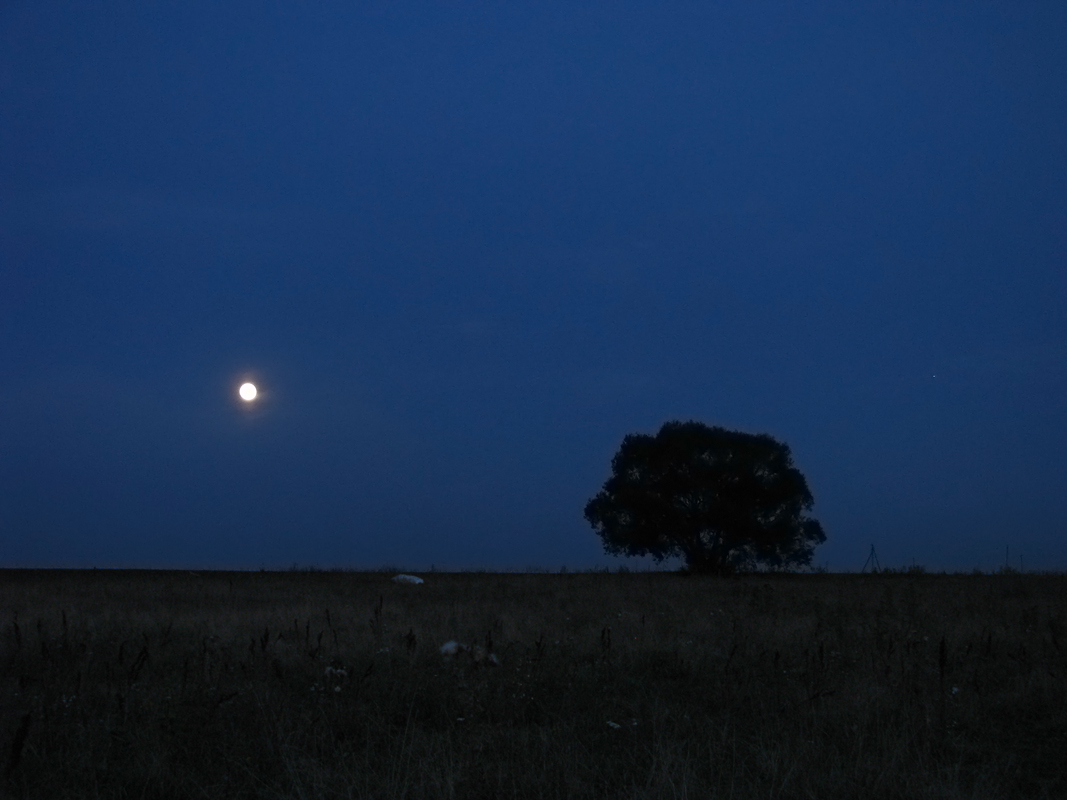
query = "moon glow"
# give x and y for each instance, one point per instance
(248, 392)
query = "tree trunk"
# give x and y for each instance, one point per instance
(701, 561)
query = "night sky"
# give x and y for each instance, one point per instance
(464, 248)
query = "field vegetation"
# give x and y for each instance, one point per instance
(120, 684)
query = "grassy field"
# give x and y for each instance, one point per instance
(641, 685)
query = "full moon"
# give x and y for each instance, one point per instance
(247, 392)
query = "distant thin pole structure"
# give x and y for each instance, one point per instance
(872, 562)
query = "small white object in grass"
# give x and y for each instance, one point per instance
(412, 579)
(453, 648)
(614, 725)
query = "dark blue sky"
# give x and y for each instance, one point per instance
(465, 248)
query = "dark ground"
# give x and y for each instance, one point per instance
(646, 685)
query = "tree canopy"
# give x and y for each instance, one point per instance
(723, 500)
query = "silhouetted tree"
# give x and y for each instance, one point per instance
(723, 500)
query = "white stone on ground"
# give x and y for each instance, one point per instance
(479, 655)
